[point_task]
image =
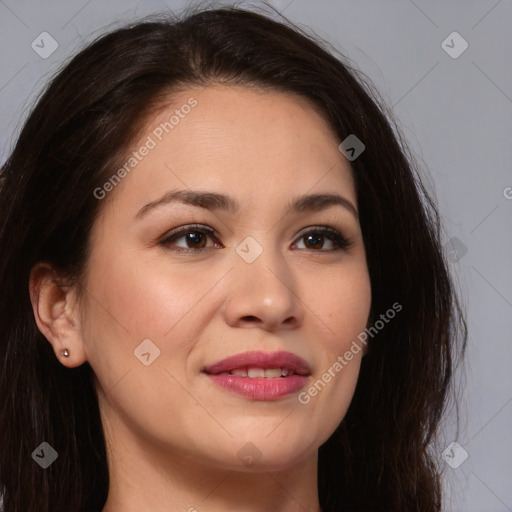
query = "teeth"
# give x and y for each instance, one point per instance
(254, 373)
(259, 373)
(273, 373)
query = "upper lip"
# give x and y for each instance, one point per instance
(264, 360)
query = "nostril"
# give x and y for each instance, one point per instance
(250, 318)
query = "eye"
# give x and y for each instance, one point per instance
(194, 238)
(315, 239)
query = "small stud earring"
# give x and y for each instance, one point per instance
(65, 353)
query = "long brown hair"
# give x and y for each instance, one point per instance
(379, 457)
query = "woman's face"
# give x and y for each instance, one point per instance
(256, 275)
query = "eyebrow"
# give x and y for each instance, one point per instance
(215, 201)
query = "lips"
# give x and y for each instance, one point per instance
(257, 364)
(259, 375)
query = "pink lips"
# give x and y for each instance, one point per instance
(260, 388)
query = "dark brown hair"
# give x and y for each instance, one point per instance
(378, 459)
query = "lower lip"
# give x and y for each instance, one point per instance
(260, 388)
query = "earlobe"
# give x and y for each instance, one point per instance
(56, 313)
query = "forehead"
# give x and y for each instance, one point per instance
(248, 122)
(251, 142)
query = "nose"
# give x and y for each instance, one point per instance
(263, 294)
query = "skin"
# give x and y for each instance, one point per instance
(172, 435)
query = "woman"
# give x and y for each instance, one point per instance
(224, 287)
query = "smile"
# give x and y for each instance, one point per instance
(259, 375)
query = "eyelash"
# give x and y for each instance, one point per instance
(339, 240)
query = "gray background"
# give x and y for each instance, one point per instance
(457, 116)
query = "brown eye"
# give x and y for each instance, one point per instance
(315, 240)
(194, 238)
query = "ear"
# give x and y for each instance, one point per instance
(56, 312)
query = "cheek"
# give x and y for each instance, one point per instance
(131, 300)
(145, 298)
(343, 301)
(342, 305)
(349, 303)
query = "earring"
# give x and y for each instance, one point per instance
(65, 353)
